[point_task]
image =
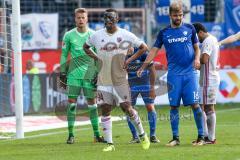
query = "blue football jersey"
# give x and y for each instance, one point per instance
(178, 43)
(133, 68)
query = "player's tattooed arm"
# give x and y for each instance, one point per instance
(152, 73)
(204, 58)
(90, 52)
(152, 54)
(196, 62)
(230, 39)
(141, 50)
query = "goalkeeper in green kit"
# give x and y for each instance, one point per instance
(80, 74)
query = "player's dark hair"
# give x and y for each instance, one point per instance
(111, 10)
(199, 27)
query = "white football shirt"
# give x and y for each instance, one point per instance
(209, 73)
(112, 50)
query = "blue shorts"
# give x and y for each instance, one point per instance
(144, 91)
(183, 87)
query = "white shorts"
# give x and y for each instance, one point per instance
(113, 95)
(208, 95)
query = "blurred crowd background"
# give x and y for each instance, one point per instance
(46, 21)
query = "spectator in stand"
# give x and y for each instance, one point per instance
(30, 69)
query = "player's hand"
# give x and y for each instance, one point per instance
(139, 72)
(63, 80)
(197, 64)
(152, 93)
(126, 63)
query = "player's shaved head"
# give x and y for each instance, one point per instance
(175, 7)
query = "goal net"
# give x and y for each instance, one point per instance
(10, 69)
(6, 57)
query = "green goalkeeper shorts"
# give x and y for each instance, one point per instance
(76, 86)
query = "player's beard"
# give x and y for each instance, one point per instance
(177, 22)
(109, 27)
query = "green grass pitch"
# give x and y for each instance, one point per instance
(50, 144)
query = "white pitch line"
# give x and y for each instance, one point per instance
(53, 133)
(60, 132)
(228, 110)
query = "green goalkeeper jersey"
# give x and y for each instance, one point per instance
(80, 65)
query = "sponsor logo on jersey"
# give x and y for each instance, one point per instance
(180, 39)
(110, 46)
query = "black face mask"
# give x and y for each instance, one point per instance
(110, 17)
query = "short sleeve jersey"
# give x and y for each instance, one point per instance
(178, 43)
(112, 50)
(209, 72)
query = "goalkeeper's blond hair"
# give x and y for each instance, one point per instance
(80, 10)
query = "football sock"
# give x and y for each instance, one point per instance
(211, 120)
(205, 126)
(107, 128)
(132, 128)
(174, 118)
(71, 114)
(93, 115)
(135, 119)
(198, 116)
(152, 120)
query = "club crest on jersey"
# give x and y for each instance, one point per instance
(185, 33)
(119, 39)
